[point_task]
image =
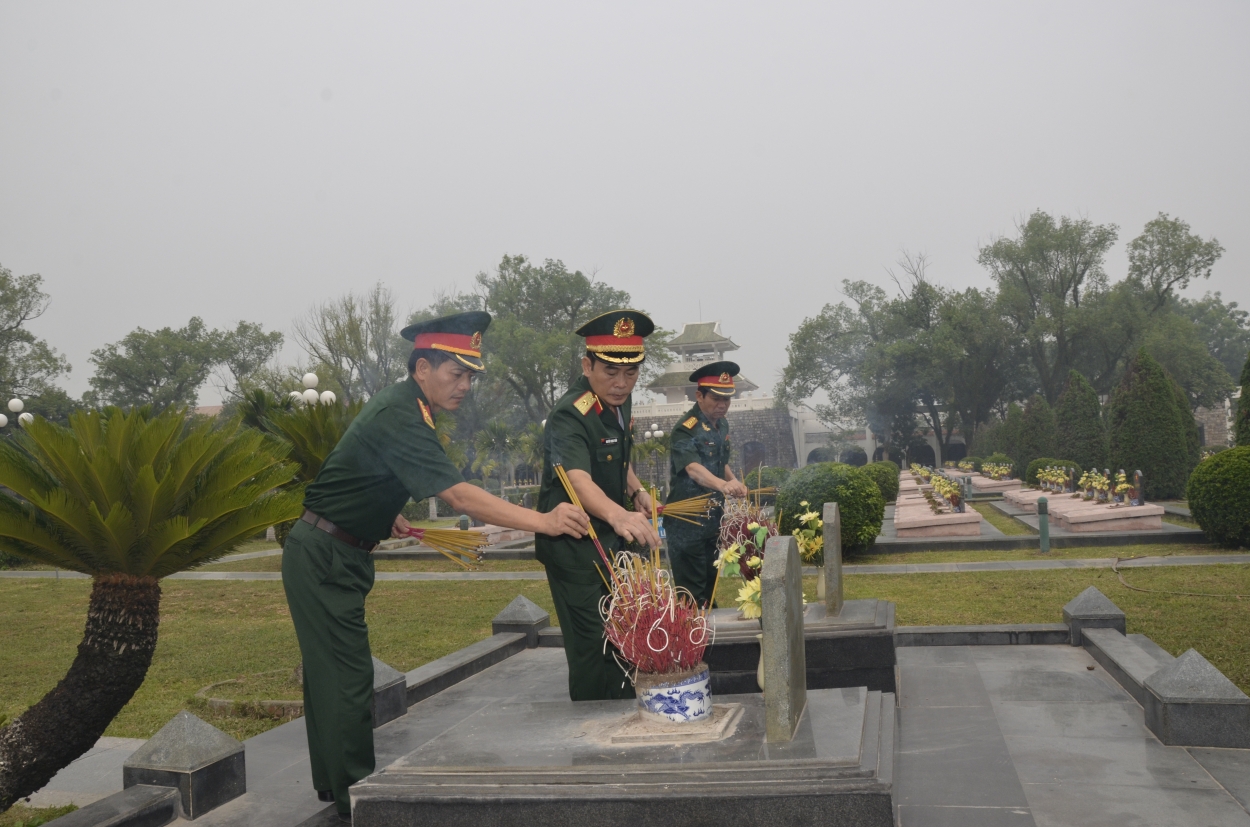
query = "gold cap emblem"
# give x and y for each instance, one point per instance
(726, 379)
(476, 341)
(623, 329)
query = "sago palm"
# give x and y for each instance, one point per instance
(127, 498)
(311, 432)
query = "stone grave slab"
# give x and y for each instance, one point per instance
(785, 666)
(1113, 518)
(203, 763)
(554, 762)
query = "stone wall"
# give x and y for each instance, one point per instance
(1213, 424)
(763, 436)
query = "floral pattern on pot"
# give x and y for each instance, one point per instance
(680, 702)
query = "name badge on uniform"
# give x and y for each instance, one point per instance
(612, 440)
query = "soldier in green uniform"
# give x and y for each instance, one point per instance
(389, 454)
(589, 432)
(699, 460)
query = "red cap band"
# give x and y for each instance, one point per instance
(612, 342)
(450, 342)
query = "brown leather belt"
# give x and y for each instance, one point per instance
(322, 524)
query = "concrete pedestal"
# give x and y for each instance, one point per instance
(856, 648)
(554, 763)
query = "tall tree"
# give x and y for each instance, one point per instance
(1224, 327)
(1146, 430)
(1043, 277)
(531, 341)
(1241, 420)
(1166, 257)
(1036, 439)
(1176, 344)
(162, 368)
(245, 352)
(1079, 432)
(353, 341)
(28, 365)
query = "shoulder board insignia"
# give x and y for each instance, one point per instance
(585, 402)
(425, 413)
(690, 423)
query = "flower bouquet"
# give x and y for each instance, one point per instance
(1125, 492)
(997, 470)
(744, 531)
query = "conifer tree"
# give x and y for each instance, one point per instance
(1241, 424)
(1146, 430)
(1037, 432)
(1080, 435)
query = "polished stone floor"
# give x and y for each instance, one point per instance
(1020, 735)
(990, 735)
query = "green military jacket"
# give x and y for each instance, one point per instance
(584, 435)
(695, 439)
(389, 453)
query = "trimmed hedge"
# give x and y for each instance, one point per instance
(998, 458)
(885, 475)
(859, 501)
(1147, 431)
(1219, 497)
(1030, 474)
(976, 463)
(1079, 430)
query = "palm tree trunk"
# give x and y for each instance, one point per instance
(113, 658)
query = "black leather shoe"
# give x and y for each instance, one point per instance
(346, 818)
(325, 795)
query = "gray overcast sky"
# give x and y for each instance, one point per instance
(244, 160)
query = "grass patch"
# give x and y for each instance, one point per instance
(1000, 521)
(274, 563)
(1180, 520)
(214, 631)
(971, 555)
(22, 816)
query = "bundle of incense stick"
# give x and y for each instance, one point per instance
(687, 509)
(461, 547)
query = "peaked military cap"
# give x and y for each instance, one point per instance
(459, 335)
(717, 377)
(617, 337)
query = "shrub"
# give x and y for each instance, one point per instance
(1219, 497)
(1030, 474)
(1147, 431)
(1189, 425)
(1008, 442)
(885, 475)
(998, 459)
(976, 462)
(1079, 430)
(859, 500)
(766, 477)
(1037, 432)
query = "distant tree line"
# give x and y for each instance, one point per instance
(934, 358)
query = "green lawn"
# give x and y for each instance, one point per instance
(212, 631)
(1000, 521)
(1078, 553)
(274, 563)
(25, 816)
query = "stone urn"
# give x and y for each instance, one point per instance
(675, 698)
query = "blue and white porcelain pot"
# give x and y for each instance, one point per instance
(684, 697)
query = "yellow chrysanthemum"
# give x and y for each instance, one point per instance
(729, 556)
(749, 598)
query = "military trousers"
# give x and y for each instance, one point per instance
(594, 674)
(694, 564)
(326, 582)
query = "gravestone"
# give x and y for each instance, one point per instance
(1191, 703)
(1139, 495)
(203, 763)
(785, 667)
(832, 570)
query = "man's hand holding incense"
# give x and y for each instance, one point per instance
(566, 518)
(634, 527)
(400, 526)
(643, 503)
(735, 489)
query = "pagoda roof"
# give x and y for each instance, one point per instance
(702, 333)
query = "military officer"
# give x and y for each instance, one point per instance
(699, 461)
(588, 431)
(389, 454)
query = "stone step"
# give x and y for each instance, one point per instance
(1126, 659)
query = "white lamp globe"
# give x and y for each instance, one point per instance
(296, 397)
(311, 397)
(310, 380)
(16, 405)
(4, 420)
(655, 428)
(328, 398)
(26, 418)
(646, 434)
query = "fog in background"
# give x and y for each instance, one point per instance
(738, 160)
